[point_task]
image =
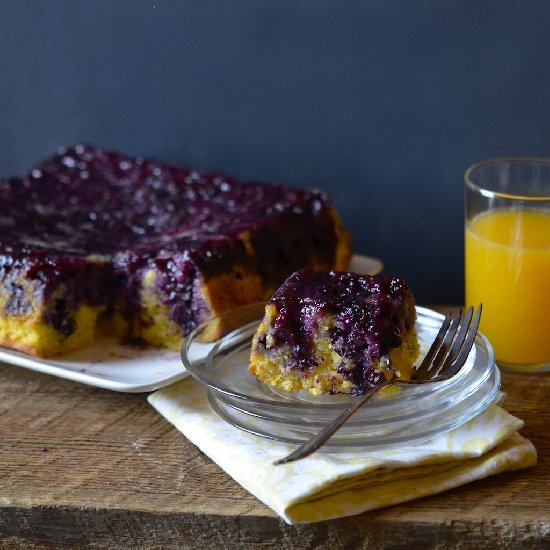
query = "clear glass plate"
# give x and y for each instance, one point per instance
(405, 416)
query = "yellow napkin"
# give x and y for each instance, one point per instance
(332, 485)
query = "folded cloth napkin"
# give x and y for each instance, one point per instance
(332, 485)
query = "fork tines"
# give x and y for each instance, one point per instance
(451, 346)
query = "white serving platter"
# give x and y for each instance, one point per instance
(130, 369)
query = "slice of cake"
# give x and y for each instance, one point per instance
(94, 241)
(336, 332)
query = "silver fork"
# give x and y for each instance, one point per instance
(444, 359)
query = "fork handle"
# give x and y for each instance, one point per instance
(318, 440)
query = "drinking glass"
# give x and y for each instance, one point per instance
(507, 257)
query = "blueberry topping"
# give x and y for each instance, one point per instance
(87, 210)
(370, 313)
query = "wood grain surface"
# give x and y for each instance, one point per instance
(82, 467)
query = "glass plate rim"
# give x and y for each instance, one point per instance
(341, 444)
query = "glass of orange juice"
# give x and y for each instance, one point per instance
(507, 257)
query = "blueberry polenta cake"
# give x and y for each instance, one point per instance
(336, 332)
(91, 241)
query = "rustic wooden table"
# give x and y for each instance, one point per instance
(82, 467)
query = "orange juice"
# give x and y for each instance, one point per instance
(508, 270)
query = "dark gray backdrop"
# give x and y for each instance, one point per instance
(383, 103)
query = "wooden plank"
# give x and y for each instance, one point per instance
(85, 467)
